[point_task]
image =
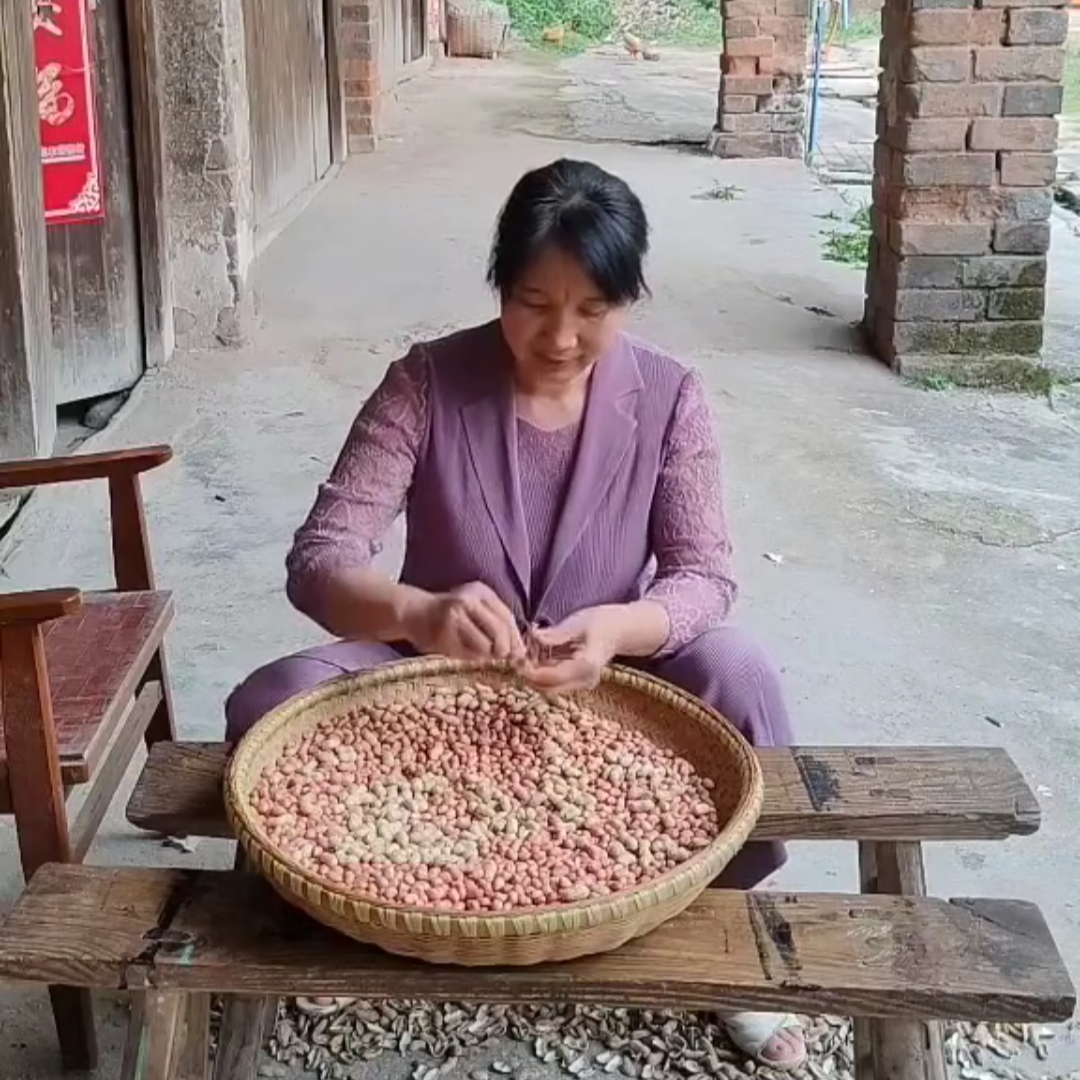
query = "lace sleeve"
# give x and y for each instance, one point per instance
(367, 488)
(689, 534)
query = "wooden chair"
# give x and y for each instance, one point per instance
(82, 682)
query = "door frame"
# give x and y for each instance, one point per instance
(144, 85)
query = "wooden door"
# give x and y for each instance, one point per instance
(416, 40)
(94, 271)
(289, 94)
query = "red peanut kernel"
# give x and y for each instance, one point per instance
(482, 800)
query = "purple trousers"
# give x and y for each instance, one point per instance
(723, 667)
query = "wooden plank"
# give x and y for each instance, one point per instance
(94, 265)
(27, 379)
(897, 1049)
(144, 76)
(827, 953)
(111, 774)
(243, 1029)
(811, 793)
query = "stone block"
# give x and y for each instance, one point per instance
(947, 170)
(939, 305)
(788, 123)
(740, 28)
(1022, 237)
(1004, 271)
(1028, 170)
(800, 8)
(1037, 26)
(738, 103)
(1027, 63)
(1024, 3)
(1014, 133)
(741, 123)
(928, 134)
(1016, 304)
(953, 27)
(1024, 203)
(1033, 99)
(939, 238)
(946, 99)
(897, 338)
(924, 271)
(999, 338)
(750, 47)
(936, 63)
(936, 5)
(764, 145)
(757, 85)
(783, 103)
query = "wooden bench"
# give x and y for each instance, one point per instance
(173, 937)
(887, 799)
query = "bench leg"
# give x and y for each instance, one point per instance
(193, 1050)
(150, 1050)
(162, 727)
(244, 1022)
(896, 1049)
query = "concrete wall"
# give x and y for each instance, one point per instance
(208, 167)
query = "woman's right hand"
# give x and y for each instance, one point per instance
(467, 623)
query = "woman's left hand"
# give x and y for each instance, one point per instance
(578, 650)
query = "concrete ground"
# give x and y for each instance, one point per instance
(928, 585)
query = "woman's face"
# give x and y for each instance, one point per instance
(556, 321)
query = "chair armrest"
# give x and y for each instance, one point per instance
(63, 470)
(38, 607)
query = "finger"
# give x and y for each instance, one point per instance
(515, 648)
(494, 627)
(574, 674)
(473, 643)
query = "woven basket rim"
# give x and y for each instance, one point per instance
(520, 922)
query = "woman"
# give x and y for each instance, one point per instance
(554, 473)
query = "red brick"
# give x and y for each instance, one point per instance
(928, 134)
(748, 9)
(1014, 133)
(740, 28)
(1025, 63)
(738, 103)
(936, 63)
(785, 28)
(1037, 26)
(765, 145)
(938, 238)
(793, 7)
(1028, 170)
(1024, 3)
(738, 65)
(948, 99)
(759, 85)
(945, 27)
(1033, 99)
(755, 47)
(782, 65)
(947, 170)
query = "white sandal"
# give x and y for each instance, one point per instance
(750, 1032)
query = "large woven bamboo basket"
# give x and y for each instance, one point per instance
(670, 717)
(476, 28)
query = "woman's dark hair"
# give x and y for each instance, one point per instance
(583, 211)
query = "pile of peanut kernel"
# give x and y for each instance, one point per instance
(482, 799)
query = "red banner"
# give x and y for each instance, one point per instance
(69, 132)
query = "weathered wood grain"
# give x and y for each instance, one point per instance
(855, 955)
(27, 383)
(151, 1048)
(811, 793)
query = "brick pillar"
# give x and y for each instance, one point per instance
(360, 37)
(762, 104)
(962, 172)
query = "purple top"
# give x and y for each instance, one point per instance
(372, 481)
